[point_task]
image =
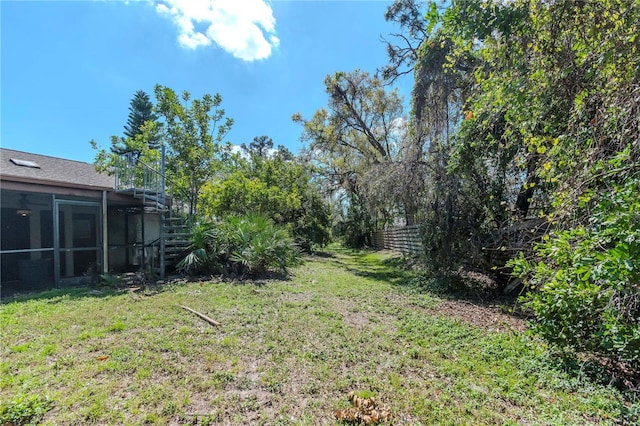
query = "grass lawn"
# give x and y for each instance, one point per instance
(287, 352)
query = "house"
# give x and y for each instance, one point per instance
(63, 223)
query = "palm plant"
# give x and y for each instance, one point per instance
(203, 250)
(241, 246)
(261, 246)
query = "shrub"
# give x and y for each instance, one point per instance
(588, 279)
(203, 250)
(254, 244)
(310, 227)
(357, 226)
(24, 409)
(241, 246)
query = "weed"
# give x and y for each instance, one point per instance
(48, 349)
(110, 281)
(20, 348)
(24, 409)
(118, 325)
(221, 378)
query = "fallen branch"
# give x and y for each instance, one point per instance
(204, 317)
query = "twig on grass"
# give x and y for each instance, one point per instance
(204, 317)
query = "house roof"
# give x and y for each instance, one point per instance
(51, 171)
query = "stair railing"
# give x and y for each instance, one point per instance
(149, 183)
(144, 180)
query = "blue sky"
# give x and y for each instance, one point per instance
(70, 68)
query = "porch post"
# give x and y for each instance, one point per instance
(162, 166)
(162, 215)
(56, 242)
(105, 235)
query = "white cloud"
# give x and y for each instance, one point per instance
(244, 28)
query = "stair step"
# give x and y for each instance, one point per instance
(152, 195)
(176, 249)
(176, 243)
(177, 234)
(155, 205)
(153, 202)
(141, 191)
(177, 239)
(172, 257)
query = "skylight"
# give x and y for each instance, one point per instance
(25, 163)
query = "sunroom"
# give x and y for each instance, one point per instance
(62, 223)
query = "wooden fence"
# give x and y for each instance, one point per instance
(404, 239)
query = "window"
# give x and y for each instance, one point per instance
(25, 163)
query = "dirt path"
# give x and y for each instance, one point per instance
(490, 317)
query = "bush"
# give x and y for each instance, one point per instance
(357, 226)
(278, 187)
(310, 227)
(24, 409)
(240, 246)
(588, 279)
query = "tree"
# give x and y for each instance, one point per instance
(261, 146)
(194, 131)
(548, 118)
(140, 112)
(414, 27)
(583, 81)
(279, 186)
(473, 171)
(361, 145)
(105, 161)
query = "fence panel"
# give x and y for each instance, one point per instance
(404, 239)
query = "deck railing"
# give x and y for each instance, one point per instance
(145, 181)
(148, 181)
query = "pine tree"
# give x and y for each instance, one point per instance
(140, 111)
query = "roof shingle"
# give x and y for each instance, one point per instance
(52, 170)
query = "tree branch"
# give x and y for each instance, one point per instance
(365, 129)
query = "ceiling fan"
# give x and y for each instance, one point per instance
(23, 206)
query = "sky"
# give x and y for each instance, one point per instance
(70, 68)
